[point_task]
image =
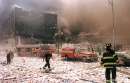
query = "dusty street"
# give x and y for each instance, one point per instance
(27, 70)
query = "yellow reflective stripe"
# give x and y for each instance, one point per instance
(108, 81)
(108, 67)
(110, 57)
(114, 55)
(107, 57)
(109, 63)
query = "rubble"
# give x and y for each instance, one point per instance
(27, 70)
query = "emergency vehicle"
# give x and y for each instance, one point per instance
(77, 53)
(33, 50)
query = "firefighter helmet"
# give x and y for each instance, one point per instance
(108, 45)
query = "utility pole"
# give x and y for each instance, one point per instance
(111, 2)
(113, 16)
(14, 28)
(57, 36)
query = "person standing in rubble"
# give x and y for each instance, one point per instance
(47, 57)
(109, 62)
(9, 57)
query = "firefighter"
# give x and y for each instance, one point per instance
(8, 57)
(47, 57)
(109, 62)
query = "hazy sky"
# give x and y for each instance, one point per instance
(97, 16)
(1, 9)
(94, 15)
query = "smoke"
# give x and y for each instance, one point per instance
(5, 8)
(91, 16)
(1, 6)
(35, 9)
(123, 20)
(39, 5)
(94, 17)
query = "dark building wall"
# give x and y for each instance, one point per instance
(50, 27)
(44, 31)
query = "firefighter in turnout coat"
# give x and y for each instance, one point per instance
(47, 56)
(109, 62)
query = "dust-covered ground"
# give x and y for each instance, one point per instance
(27, 70)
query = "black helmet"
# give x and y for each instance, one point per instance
(108, 45)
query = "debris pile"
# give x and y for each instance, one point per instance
(27, 70)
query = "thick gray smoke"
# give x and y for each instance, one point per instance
(39, 5)
(5, 9)
(94, 17)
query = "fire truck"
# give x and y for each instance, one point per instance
(78, 53)
(33, 50)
